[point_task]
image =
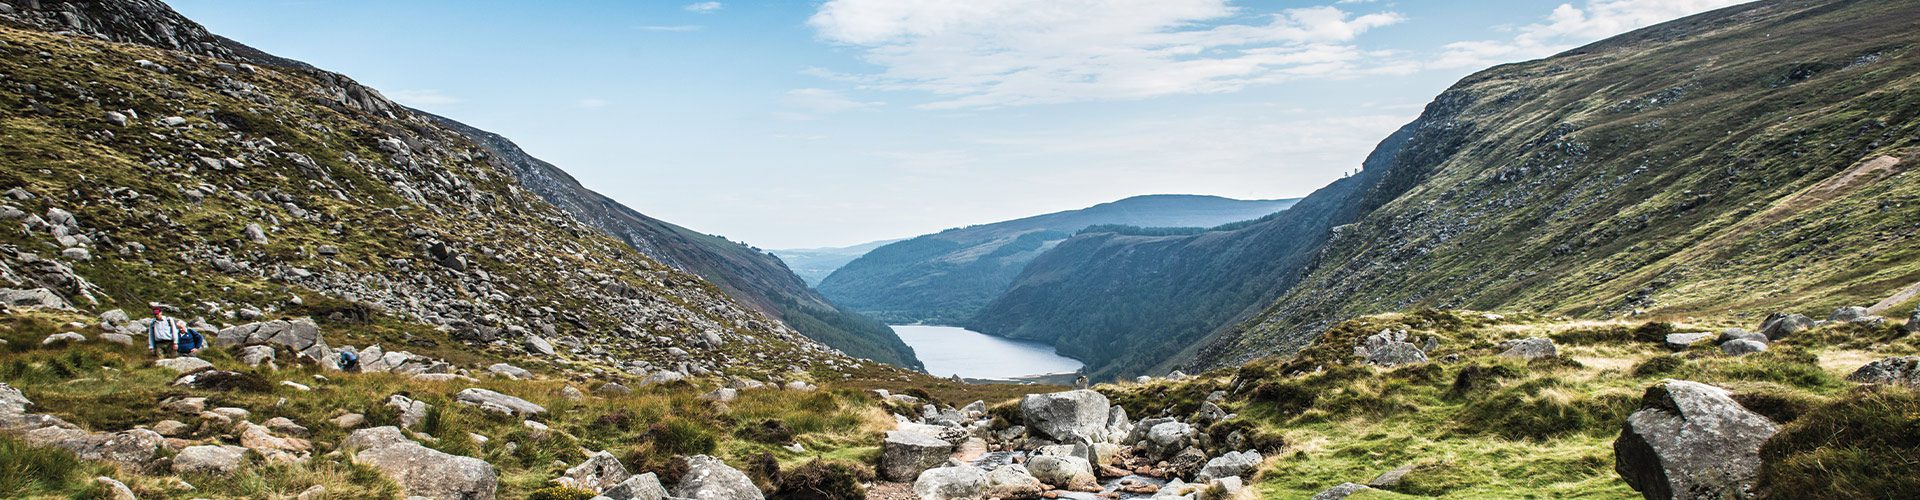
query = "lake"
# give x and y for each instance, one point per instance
(949, 350)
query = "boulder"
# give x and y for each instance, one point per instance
(1073, 473)
(419, 470)
(1531, 348)
(63, 337)
(134, 447)
(273, 448)
(538, 345)
(905, 454)
(1340, 491)
(208, 459)
(37, 297)
(1062, 415)
(709, 478)
(612, 389)
(117, 338)
(1740, 334)
(599, 472)
(1854, 314)
(1168, 438)
(963, 482)
(184, 365)
(642, 487)
(349, 420)
(114, 489)
(1188, 462)
(498, 403)
(1779, 325)
(1683, 341)
(1393, 477)
(1742, 347)
(410, 411)
(1389, 348)
(1913, 321)
(1012, 481)
(1691, 440)
(723, 394)
(1234, 463)
(256, 355)
(510, 371)
(1897, 370)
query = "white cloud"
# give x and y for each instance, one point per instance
(824, 101)
(1569, 26)
(422, 97)
(994, 53)
(673, 28)
(591, 103)
(703, 7)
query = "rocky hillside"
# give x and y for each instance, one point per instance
(751, 276)
(233, 187)
(1733, 162)
(945, 277)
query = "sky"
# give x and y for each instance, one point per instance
(795, 124)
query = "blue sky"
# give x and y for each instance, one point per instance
(790, 124)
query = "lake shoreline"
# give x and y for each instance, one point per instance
(981, 358)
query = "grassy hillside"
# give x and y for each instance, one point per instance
(1726, 163)
(1735, 163)
(945, 277)
(1475, 424)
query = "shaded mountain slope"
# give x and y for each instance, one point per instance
(946, 276)
(757, 278)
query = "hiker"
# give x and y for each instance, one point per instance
(349, 361)
(163, 334)
(189, 341)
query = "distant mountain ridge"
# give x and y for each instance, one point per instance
(946, 276)
(814, 264)
(1736, 162)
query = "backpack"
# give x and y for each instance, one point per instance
(348, 359)
(191, 339)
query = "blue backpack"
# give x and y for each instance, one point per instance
(348, 359)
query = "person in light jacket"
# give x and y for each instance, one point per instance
(163, 334)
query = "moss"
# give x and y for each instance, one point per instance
(561, 493)
(1544, 408)
(1862, 445)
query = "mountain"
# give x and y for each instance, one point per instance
(153, 162)
(1736, 162)
(814, 264)
(946, 276)
(756, 278)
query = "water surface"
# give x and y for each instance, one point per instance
(950, 350)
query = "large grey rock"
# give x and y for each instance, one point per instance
(1389, 348)
(1913, 321)
(1168, 438)
(1234, 463)
(1531, 348)
(1691, 440)
(1062, 415)
(1779, 325)
(1073, 473)
(1740, 334)
(256, 355)
(538, 345)
(905, 454)
(411, 412)
(63, 337)
(599, 472)
(1742, 347)
(208, 459)
(642, 487)
(709, 478)
(1684, 341)
(1012, 481)
(510, 371)
(1896, 370)
(184, 365)
(419, 470)
(1338, 492)
(498, 403)
(1854, 314)
(964, 482)
(37, 297)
